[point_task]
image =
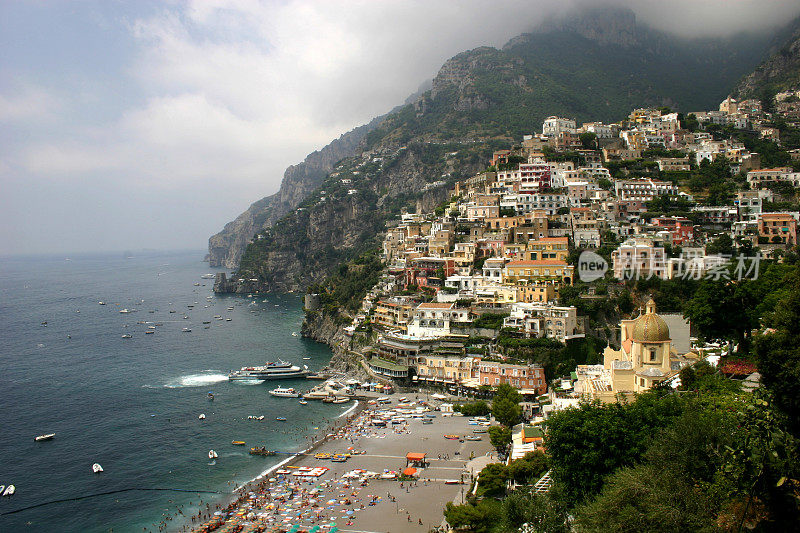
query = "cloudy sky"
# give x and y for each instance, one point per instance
(130, 125)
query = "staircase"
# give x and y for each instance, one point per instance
(544, 484)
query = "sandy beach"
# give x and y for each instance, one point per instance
(351, 496)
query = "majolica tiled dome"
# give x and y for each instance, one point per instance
(650, 327)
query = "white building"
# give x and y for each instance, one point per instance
(553, 126)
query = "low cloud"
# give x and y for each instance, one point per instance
(223, 95)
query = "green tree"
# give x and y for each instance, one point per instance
(493, 479)
(588, 140)
(506, 411)
(477, 518)
(541, 513)
(500, 437)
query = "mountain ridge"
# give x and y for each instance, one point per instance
(491, 97)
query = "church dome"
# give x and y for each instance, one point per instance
(650, 327)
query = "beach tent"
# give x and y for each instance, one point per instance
(415, 458)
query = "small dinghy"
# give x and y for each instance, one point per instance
(202, 416)
(9, 490)
(303, 402)
(212, 454)
(280, 418)
(96, 468)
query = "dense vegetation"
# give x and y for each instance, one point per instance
(707, 457)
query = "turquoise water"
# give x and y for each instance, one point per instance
(132, 405)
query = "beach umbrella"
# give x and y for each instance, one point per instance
(409, 471)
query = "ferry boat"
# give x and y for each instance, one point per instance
(271, 370)
(284, 393)
(207, 276)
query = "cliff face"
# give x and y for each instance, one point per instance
(325, 229)
(225, 249)
(779, 72)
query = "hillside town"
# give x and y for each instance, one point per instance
(489, 268)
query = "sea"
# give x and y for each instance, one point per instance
(133, 404)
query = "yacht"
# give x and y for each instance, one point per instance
(285, 393)
(271, 370)
(48, 436)
(207, 276)
(9, 490)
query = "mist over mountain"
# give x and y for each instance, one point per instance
(597, 64)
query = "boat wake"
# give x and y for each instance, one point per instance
(195, 380)
(248, 381)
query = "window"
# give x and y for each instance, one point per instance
(652, 355)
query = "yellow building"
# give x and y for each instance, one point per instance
(645, 358)
(553, 248)
(549, 269)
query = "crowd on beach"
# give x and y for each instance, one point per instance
(282, 500)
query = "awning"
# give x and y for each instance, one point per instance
(409, 471)
(415, 456)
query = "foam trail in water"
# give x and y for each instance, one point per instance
(196, 380)
(349, 410)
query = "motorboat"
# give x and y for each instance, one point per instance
(341, 399)
(306, 359)
(202, 416)
(124, 311)
(260, 450)
(9, 490)
(237, 442)
(207, 276)
(96, 468)
(472, 437)
(212, 454)
(228, 319)
(280, 418)
(186, 330)
(127, 336)
(452, 437)
(303, 402)
(149, 332)
(284, 393)
(271, 370)
(47, 436)
(210, 395)
(101, 303)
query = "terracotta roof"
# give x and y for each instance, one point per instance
(541, 262)
(415, 456)
(551, 239)
(434, 305)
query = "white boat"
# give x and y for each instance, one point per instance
(47, 436)
(127, 336)
(202, 416)
(303, 402)
(207, 276)
(101, 303)
(295, 334)
(285, 393)
(2, 488)
(9, 490)
(271, 370)
(96, 468)
(186, 330)
(212, 454)
(124, 311)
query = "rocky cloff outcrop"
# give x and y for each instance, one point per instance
(225, 249)
(780, 72)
